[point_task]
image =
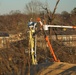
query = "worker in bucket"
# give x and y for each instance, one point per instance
(31, 23)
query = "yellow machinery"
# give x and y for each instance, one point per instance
(32, 43)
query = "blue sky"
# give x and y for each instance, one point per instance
(7, 5)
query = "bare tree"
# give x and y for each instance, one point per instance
(14, 12)
(65, 14)
(33, 7)
(73, 11)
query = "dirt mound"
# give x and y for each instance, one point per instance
(59, 68)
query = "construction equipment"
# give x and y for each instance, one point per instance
(57, 26)
(48, 42)
(32, 42)
(45, 27)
